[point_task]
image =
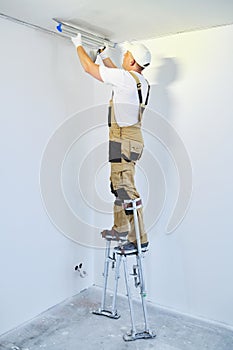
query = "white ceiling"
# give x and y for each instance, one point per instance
(124, 19)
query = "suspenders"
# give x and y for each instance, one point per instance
(142, 105)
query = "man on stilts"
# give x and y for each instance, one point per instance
(129, 98)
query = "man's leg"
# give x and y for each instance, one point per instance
(121, 222)
(123, 186)
(132, 233)
(129, 184)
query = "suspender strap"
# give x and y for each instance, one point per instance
(110, 111)
(148, 93)
(139, 85)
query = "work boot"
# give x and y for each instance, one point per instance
(114, 235)
(130, 247)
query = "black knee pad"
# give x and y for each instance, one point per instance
(122, 194)
(119, 202)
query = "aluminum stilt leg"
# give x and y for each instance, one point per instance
(117, 276)
(121, 255)
(133, 328)
(116, 262)
(146, 333)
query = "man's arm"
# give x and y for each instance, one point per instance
(108, 63)
(104, 54)
(88, 65)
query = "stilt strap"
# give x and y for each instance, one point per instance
(130, 204)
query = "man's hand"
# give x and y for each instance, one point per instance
(104, 52)
(77, 40)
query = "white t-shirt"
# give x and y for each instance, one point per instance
(125, 98)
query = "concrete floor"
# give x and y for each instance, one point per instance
(72, 326)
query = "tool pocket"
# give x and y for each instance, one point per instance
(129, 150)
(125, 150)
(114, 152)
(136, 149)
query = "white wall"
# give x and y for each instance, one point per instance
(41, 86)
(190, 269)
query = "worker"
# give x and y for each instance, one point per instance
(125, 136)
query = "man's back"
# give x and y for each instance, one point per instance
(125, 93)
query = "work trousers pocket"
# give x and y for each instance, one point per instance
(129, 150)
(136, 149)
(114, 151)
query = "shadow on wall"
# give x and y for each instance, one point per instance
(167, 149)
(160, 97)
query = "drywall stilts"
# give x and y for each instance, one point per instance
(119, 256)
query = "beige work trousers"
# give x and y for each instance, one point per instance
(122, 178)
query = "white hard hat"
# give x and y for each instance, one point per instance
(140, 53)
